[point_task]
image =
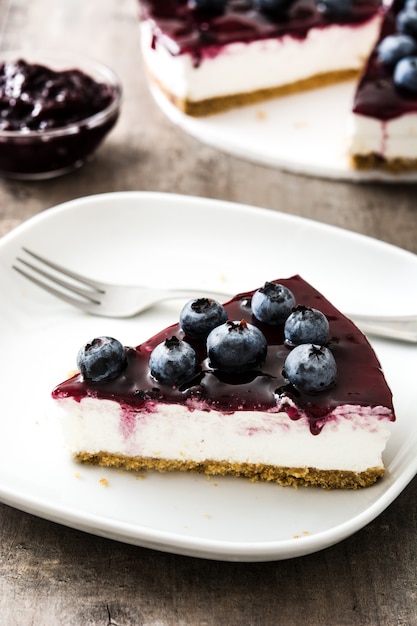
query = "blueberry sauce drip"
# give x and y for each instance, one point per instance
(359, 379)
(377, 96)
(200, 34)
(35, 97)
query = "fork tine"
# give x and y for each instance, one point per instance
(58, 281)
(63, 270)
(85, 306)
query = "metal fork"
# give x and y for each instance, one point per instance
(95, 297)
(121, 301)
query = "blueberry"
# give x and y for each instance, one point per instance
(337, 8)
(199, 317)
(272, 303)
(407, 21)
(102, 358)
(236, 347)
(394, 47)
(306, 325)
(310, 367)
(212, 7)
(173, 361)
(273, 7)
(405, 74)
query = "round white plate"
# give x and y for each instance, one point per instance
(305, 133)
(177, 240)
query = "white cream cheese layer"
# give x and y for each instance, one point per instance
(391, 139)
(246, 67)
(353, 438)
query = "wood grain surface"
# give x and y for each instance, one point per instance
(52, 575)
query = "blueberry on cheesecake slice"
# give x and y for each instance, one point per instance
(306, 325)
(198, 317)
(275, 385)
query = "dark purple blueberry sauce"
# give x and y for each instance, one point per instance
(184, 30)
(47, 119)
(377, 96)
(359, 379)
(35, 97)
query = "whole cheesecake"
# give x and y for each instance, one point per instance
(212, 55)
(274, 385)
(208, 56)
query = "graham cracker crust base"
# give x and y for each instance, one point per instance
(224, 103)
(376, 161)
(284, 476)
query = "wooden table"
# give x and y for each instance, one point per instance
(50, 574)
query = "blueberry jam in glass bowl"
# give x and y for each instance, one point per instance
(55, 110)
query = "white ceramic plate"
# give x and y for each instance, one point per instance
(303, 133)
(178, 240)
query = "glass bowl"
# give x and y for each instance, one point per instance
(66, 136)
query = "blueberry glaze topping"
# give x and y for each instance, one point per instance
(273, 8)
(359, 378)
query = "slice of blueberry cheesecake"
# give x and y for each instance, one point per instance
(274, 385)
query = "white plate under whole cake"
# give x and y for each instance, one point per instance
(181, 240)
(304, 133)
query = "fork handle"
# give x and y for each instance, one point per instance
(400, 328)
